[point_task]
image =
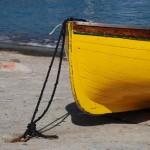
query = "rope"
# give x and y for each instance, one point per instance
(57, 78)
(47, 76)
(31, 130)
(55, 29)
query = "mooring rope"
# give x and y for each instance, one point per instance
(55, 29)
(31, 130)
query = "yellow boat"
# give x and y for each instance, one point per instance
(109, 66)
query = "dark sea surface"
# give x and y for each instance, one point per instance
(28, 22)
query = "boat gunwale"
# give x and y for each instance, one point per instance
(94, 24)
(111, 30)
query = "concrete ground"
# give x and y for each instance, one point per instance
(21, 80)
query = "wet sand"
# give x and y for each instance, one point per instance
(21, 80)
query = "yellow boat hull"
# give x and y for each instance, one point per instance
(108, 74)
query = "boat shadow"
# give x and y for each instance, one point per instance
(130, 117)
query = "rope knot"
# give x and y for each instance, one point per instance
(31, 129)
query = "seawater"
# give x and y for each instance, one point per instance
(28, 22)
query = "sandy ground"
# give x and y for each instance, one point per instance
(21, 80)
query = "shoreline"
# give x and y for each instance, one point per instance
(28, 49)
